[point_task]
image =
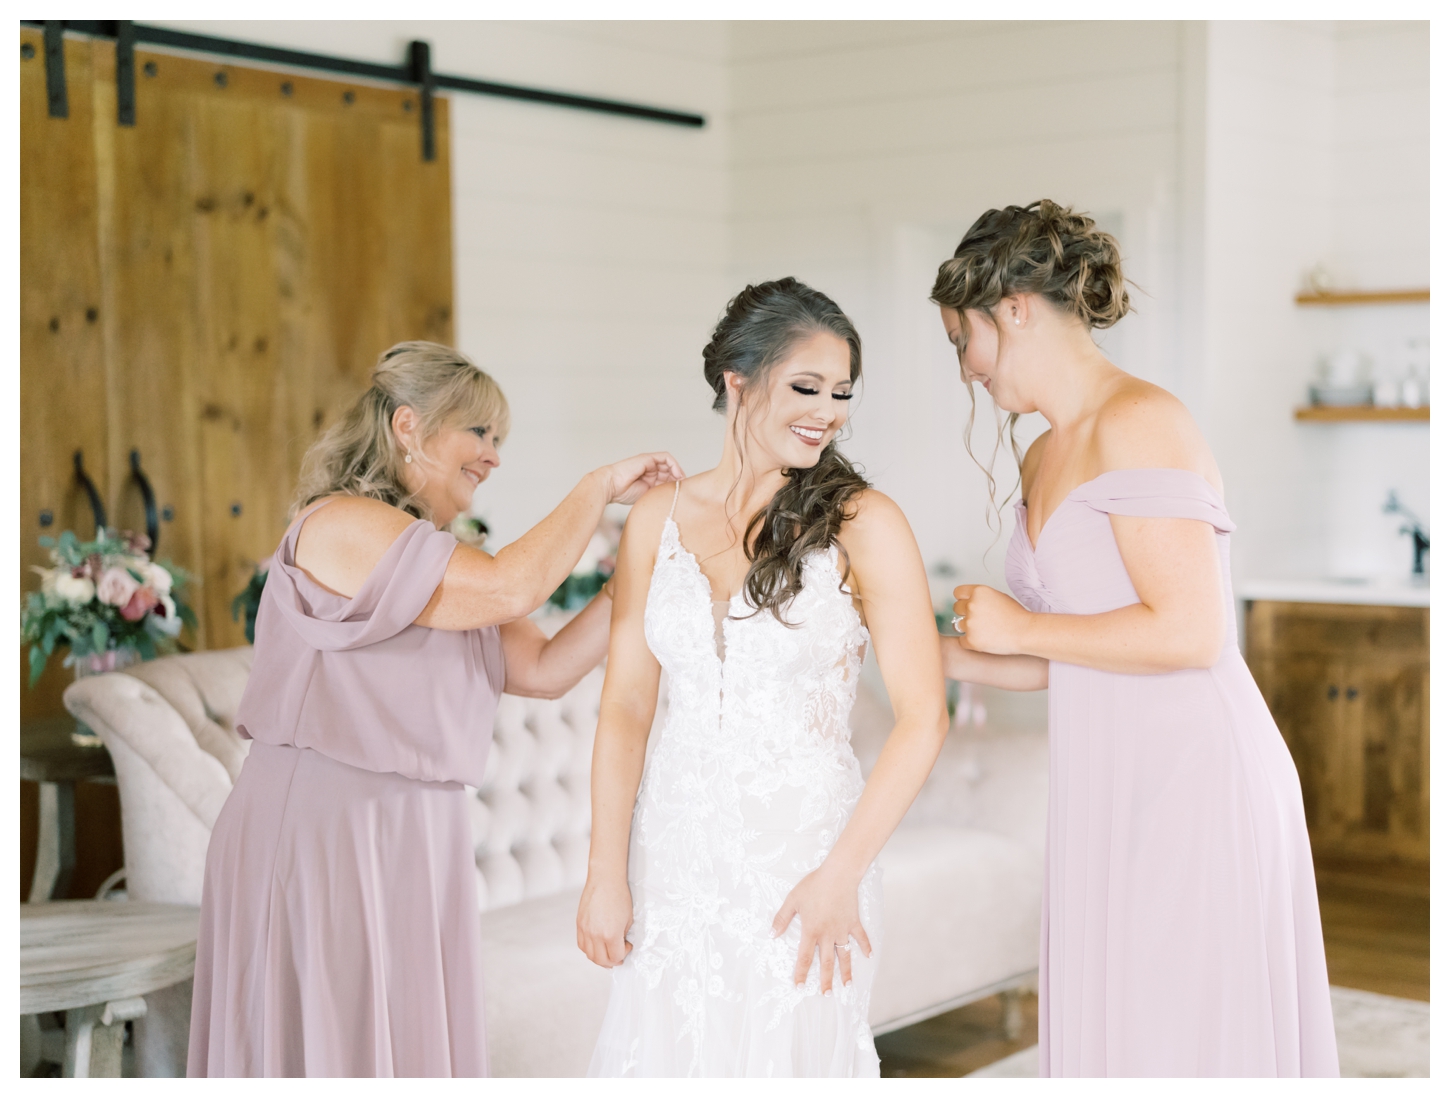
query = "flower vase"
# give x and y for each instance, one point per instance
(99, 663)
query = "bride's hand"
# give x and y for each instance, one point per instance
(606, 913)
(827, 905)
(988, 620)
(631, 478)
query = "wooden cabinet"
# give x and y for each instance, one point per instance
(1350, 689)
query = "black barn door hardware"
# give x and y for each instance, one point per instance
(55, 68)
(148, 499)
(125, 73)
(98, 509)
(421, 63)
(417, 72)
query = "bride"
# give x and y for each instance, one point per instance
(741, 912)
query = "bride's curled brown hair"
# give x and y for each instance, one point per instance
(761, 326)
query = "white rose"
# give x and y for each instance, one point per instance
(116, 586)
(79, 591)
(157, 578)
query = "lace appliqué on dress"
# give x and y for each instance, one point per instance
(749, 786)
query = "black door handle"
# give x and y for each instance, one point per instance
(148, 498)
(1351, 693)
(98, 509)
(1333, 692)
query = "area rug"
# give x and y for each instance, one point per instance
(1380, 1037)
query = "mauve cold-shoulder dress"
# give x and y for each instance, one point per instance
(1180, 923)
(339, 917)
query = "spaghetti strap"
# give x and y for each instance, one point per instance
(675, 500)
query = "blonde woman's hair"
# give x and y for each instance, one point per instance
(360, 456)
(1044, 249)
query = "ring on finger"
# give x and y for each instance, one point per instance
(957, 623)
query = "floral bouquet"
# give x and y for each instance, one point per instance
(103, 599)
(593, 570)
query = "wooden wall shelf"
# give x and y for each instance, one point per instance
(1324, 413)
(1364, 297)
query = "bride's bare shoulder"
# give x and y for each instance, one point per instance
(875, 522)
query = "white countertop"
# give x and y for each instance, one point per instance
(1366, 592)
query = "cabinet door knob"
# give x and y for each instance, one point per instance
(1351, 693)
(1333, 692)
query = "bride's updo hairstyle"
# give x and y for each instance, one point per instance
(1044, 249)
(760, 327)
(359, 454)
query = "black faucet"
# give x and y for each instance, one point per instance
(1413, 527)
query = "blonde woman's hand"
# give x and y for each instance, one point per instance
(830, 916)
(606, 912)
(988, 620)
(627, 480)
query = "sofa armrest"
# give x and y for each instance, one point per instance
(121, 708)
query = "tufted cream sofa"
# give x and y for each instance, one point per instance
(962, 875)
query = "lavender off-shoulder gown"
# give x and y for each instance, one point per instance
(1180, 923)
(339, 919)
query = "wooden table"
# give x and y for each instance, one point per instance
(94, 959)
(50, 756)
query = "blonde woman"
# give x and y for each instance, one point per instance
(732, 881)
(339, 922)
(1180, 924)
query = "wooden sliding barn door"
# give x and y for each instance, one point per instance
(210, 287)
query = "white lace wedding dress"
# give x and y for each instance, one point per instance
(750, 783)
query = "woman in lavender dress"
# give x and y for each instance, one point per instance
(339, 920)
(1180, 924)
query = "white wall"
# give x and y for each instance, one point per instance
(589, 250)
(1380, 206)
(1316, 151)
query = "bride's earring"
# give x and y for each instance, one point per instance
(409, 458)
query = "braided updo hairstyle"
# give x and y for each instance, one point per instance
(1044, 249)
(759, 329)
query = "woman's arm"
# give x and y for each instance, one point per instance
(1177, 624)
(890, 581)
(626, 711)
(341, 544)
(1004, 672)
(540, 666)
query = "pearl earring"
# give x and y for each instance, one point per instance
(409, 458)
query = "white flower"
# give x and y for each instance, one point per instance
(116, 586)
(158, 579)
(79, 591)
(594, 552)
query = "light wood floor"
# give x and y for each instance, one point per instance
(1376, 922)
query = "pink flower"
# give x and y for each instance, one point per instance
(116, 587)
(141, 603)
